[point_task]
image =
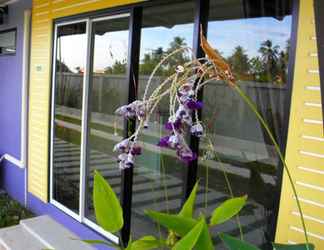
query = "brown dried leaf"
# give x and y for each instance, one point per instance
(223, 70)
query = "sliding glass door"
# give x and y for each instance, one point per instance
(89, 83)
(68, 88)
(104, 61)
(108, 90)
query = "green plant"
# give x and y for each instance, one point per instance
(185, 230)
(11, 212)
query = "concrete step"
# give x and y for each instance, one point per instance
(17, 238)
(40, 233)
(52, 234)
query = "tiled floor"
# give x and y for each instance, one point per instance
(149, 192)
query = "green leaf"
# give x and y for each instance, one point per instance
(179, 224)
(99, 242)
(188, 208)
(147, 243)
(292, 247)
(190, 239)
(236, 244)
(130, 244)
(227, 210)
(109, 213)
(205, 241)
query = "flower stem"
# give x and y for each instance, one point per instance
(160, 64)
(206, 187)
(165, 185)
(252, 106)
(228, 184)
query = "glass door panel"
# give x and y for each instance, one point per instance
(70, 56)
(158, 174)
(255, 42)
(108, 91)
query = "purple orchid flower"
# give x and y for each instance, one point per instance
(197, 130)
(187, 119)
(129, 162)
(122, 157)
(136, 150)
(186, 155)
(121, 160)
(122, 146)
(173, 125)
(186, 93)
(185, 89)
(164, 142)
(184, 98)
(194, 105)
(184, 115)
(139, 108)
(125, 161)
(181, 112)
(175, 141)
(136, 108)
(125, 111)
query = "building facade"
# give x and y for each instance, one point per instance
(72, 63)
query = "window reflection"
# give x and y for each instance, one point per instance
(70, 63)
(255, 42)
(254, 39)
(158, 179)
(109, 90)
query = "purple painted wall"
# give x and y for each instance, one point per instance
(11, 176)
(13, 181)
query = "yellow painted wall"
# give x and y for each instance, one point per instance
(305, 147)
(44, 11)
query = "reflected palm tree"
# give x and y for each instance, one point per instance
(269, 57)
(179, 58)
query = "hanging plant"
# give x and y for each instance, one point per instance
(185, 231)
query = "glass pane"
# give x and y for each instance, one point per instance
(70, 63)
(158, 174)
(255, 42)
(8, 42)
(109, 90)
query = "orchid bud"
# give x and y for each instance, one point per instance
(122, 146)
(180, 69)
(174, 141)
(129, 162)
(197, 130)
(121, 110)
(122, 157)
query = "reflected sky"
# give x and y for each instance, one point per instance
(249, 33)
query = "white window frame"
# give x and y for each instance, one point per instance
(80, 217)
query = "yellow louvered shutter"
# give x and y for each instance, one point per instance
(305, 147)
